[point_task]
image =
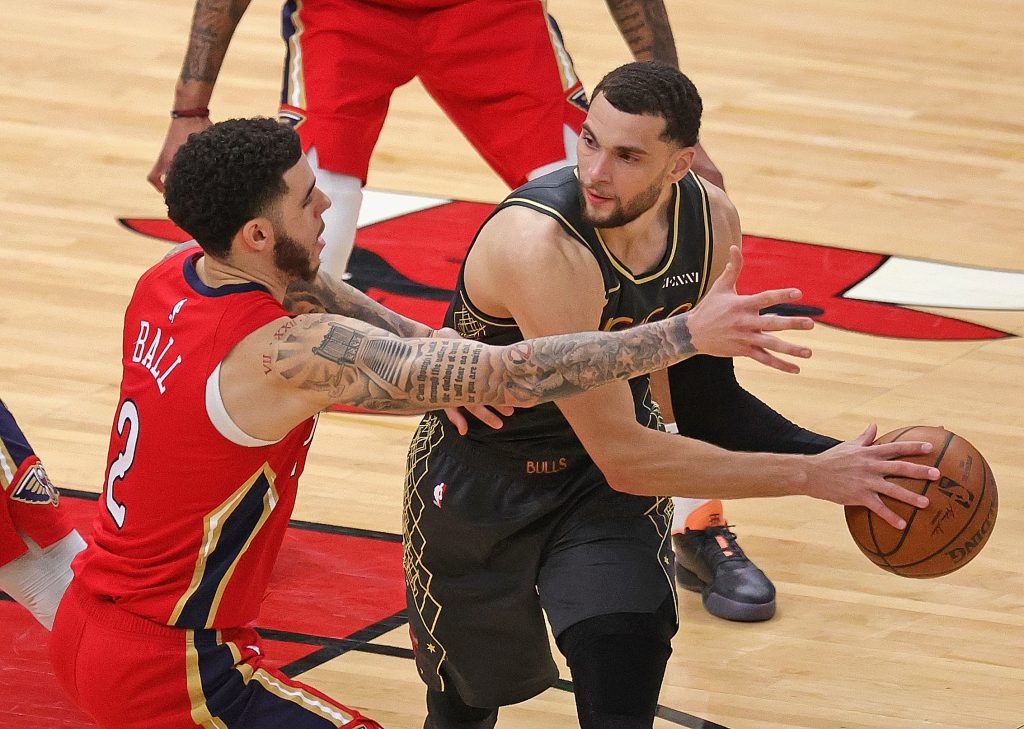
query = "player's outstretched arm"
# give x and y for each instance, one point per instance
(213, 24)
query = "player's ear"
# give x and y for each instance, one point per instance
(256, 234)
(682, 160)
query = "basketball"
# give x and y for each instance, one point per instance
(954, 527)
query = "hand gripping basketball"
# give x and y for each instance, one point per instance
(728, 324)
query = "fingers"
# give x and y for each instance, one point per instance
(898, 493)
(868, 436)
(457, 419)
(905, 469)
(776, 323)
(900, 448)
(731, 274)
(769, 360)
(156, 176)
(485, 415)
(774, 297)
(895, 520)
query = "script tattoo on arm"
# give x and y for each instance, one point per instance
(326, 295)
(213, 24)
(645, 27)
(373, 369)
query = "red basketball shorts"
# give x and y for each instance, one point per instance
(131, 673)
(497, 69)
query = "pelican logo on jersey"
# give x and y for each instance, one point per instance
(693, 277)
(145, 354)
(34, 487)
(439, 490)
(175, 310)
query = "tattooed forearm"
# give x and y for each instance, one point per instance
(213, 24)
(328, 296)
(371, 368)
(645, 27)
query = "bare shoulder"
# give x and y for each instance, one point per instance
(520, 252)
(725, 226)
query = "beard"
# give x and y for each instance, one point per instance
(623, 212)
(292, 259)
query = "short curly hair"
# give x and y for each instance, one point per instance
(658, 89)
(226, 175)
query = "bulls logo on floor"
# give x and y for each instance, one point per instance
(409, 248)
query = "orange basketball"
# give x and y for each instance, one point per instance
(955, 526)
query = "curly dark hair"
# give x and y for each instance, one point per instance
(658, 89)
(227, 175)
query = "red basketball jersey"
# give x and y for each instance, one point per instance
(28, 501)
(190, 522)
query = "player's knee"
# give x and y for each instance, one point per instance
(618, 663)
(446, 710)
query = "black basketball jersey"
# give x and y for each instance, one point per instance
(673, 286)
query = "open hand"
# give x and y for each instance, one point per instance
(854, 472)
(727, 324)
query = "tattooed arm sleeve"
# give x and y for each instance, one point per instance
(346, 361)
(645, 27)
(327, 295)
(213, 24)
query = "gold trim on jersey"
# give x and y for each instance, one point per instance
(669, 258)
(200, 712)
(7, 467)
(302, 698)
(554, 213)
(295, 85)
(563, 61)
(708, 238)
(464, 297)
(418, 577)
(213, 523)
(660, 514)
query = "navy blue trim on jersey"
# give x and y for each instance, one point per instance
(238, 527)
(188, 268)
(12, 438)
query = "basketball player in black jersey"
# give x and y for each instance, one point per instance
(563, 511)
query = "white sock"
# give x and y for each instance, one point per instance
(569, 137)
(38, 578)
(346, 195)
(683, 506)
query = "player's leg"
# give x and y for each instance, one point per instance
(344, 60)
(170, 678)
(470, 557)
(709, 560)
(37, 542)
(501, 73)
(606, 587)
(38, 578)
(618, 664)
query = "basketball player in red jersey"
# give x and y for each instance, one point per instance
(499, 70)
(503, 75)
(37, 542)
(220, 389)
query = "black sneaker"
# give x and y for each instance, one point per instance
(709, 561)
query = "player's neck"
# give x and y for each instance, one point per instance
(640, 244)
(217, 272)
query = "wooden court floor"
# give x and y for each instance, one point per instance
(880, 127)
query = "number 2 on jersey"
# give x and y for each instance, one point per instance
(127, 415)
